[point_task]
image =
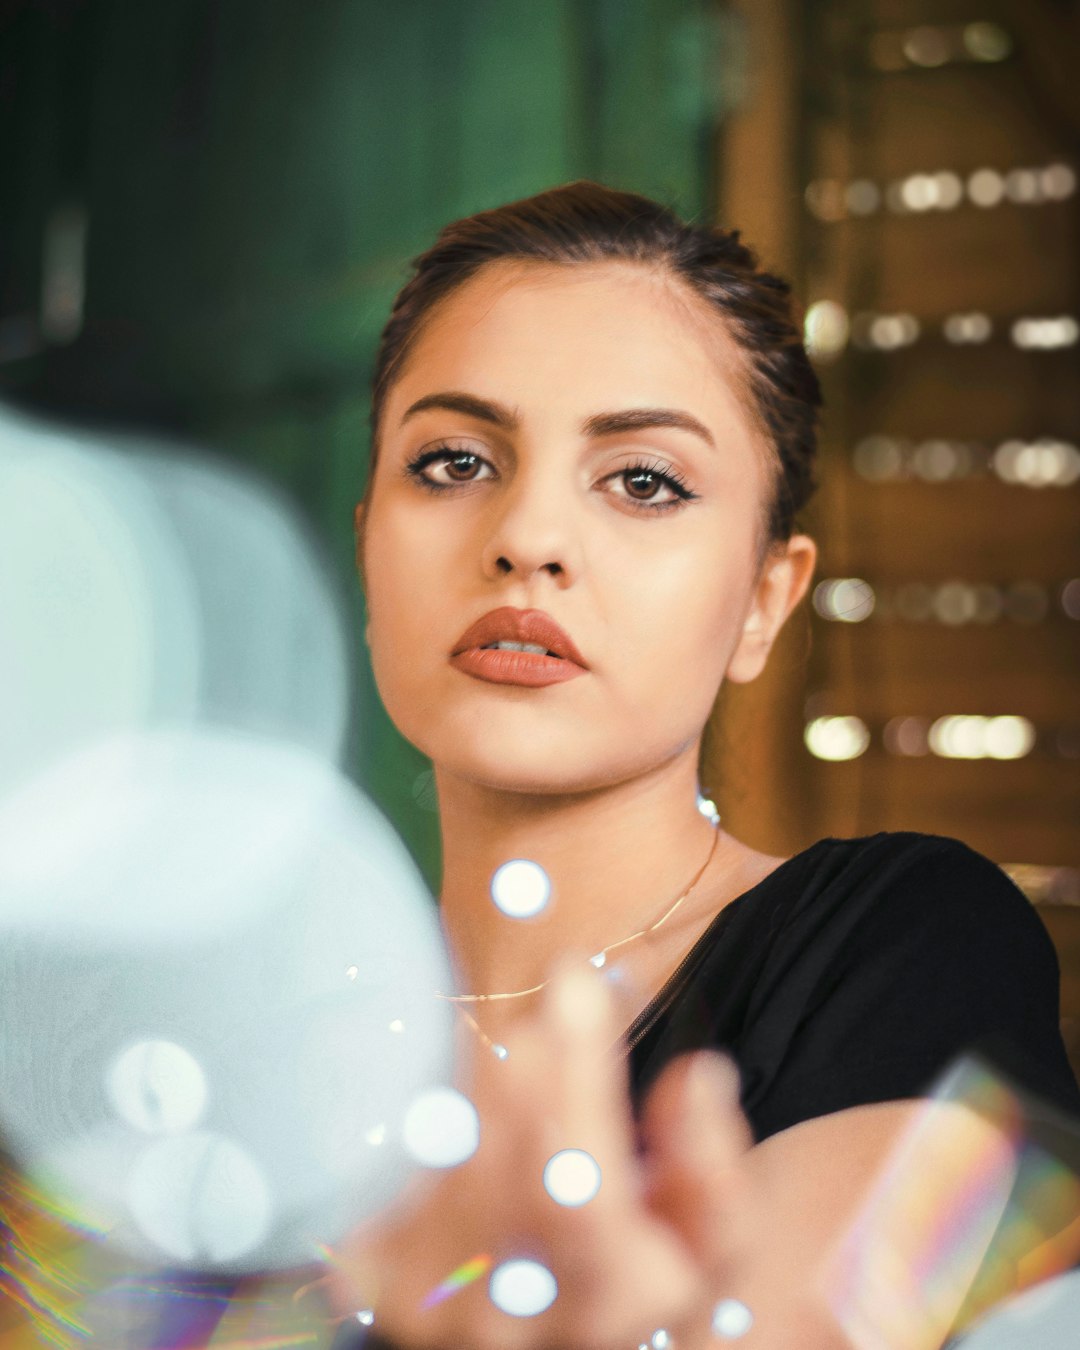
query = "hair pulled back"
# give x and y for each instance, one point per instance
(587, 222)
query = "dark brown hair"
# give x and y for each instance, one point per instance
(586, 222)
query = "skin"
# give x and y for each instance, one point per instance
(595, 779)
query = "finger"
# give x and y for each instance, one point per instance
(588, 1087)
(696, 1137)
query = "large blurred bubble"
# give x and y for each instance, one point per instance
(216, 957)
(142, 585)
(205, 953)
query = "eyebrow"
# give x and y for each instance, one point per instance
(599, 424)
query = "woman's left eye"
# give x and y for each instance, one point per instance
(642, 483)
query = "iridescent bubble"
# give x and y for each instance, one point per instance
(522, 1288)
(966, 1208)
(1045, 1316)
(214, 910)
(145, 584)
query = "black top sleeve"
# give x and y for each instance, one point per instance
(930, 952)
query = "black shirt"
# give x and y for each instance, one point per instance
(857, 972)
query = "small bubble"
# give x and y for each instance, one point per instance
(522, 1288)
(731, 1319)
(441, 1128)
(572, 1177)
(520, 888)
(351, 972)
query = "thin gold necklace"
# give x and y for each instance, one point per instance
(598, 961)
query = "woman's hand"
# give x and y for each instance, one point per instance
(648, 1251)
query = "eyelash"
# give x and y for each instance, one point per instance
(669, 477)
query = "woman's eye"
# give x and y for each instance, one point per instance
(647, 487)
(650, 487)
(443, 468)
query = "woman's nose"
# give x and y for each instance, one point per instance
(533, 530)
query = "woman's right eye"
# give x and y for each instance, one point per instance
(446, 467)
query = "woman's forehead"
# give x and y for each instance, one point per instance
(605, 325)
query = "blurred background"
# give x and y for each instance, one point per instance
(207, 208)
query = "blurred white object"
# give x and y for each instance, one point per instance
(216, 956)
(141, 585)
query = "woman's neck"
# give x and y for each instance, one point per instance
(616, 859)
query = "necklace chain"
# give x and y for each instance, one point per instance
(599, 960)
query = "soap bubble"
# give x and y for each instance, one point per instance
(224, 951)
(141, 584)
(441, 1128)
(522, 1288)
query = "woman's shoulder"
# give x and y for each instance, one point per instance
(893, 860)
(909, 886)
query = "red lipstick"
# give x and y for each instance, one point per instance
(559, 661)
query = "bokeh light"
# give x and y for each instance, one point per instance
(520, 888)
(441, 1128)
(986, 187)
(572, 1177)
(825, 329)
(836, 738)
(731, 1319)
(522, 1288)
(987, 41)
(907, 736)
(972, 736)
(844, 599)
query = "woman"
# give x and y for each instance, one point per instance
(593, 425)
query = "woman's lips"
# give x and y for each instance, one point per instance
(509, 667)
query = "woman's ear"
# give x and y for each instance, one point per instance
(784, 578)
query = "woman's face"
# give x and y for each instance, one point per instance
(639, 540)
